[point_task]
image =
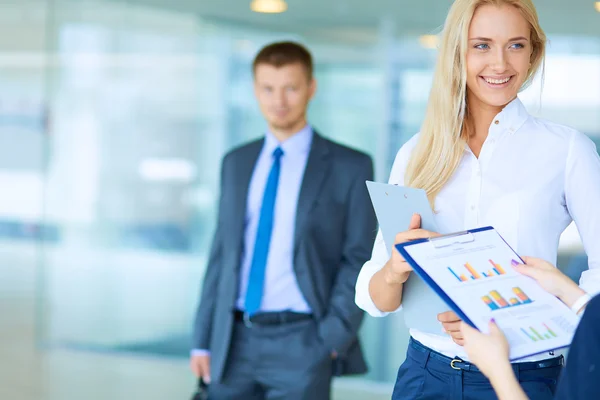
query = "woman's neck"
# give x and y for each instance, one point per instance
(481, 116)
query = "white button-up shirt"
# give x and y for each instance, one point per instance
(532, 178)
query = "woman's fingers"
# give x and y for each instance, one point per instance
(415, 222)
(467, 330)
(537, 263)
(414, 234)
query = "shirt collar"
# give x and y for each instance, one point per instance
(511, 118)
(298, 143)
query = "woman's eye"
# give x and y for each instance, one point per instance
(482, 46)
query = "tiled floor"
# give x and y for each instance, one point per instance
(27, 373)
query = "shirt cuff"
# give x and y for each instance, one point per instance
(580, 303)
(200, 352)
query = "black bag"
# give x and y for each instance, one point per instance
(201, 391)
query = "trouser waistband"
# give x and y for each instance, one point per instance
(424, 355)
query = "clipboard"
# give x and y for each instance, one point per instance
(438, 243)
(519, 317)
(394, 206)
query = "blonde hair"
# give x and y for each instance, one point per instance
(443, 135)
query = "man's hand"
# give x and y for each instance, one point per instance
(451, 323)
(200, 366)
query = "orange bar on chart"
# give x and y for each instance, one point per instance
(498, 268)
(463, 278)
(499, 299)
(521, 295)
(472, 271)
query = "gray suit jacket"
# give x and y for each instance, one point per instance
(335, 231)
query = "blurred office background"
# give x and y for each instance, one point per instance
(114, 116)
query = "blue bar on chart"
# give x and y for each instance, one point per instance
(487, 300)
(453, 273)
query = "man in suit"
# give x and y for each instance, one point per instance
(277, 317)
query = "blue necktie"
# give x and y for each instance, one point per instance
(256, 279)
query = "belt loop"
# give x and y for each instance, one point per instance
(517, 371)
(247, 321)
(457, 386)
(427, 354)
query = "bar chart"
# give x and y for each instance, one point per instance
(495, 301)
(473, 273)
(537, 334)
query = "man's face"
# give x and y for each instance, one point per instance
(283, 95)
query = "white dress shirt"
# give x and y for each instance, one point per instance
(532, 178)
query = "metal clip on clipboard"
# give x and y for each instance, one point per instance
(452, 239)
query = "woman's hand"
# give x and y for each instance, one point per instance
(452, 326)
(488, 352)
(385, 287)
(550, 279)
(397, 270)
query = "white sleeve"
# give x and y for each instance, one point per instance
(380, 255)
(582, 194)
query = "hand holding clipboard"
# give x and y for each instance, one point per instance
(400, 269)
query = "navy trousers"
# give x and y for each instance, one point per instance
(428, 375)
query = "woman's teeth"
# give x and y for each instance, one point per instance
(497, 81)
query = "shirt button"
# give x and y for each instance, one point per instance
(496, 122)
(473, 208)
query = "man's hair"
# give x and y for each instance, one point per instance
(284, 53)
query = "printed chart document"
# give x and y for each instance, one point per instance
(471, 271)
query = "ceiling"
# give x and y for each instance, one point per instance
(363, 18)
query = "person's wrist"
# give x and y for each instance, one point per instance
(393, 278)
(571, 294)
(502, 374)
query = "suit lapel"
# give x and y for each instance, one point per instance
(317, 167)
(243, 170)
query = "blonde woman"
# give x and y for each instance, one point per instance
(483, 160)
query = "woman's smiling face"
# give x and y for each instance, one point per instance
(498, 55)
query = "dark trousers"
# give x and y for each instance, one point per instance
(286, 361)
(427, 375)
